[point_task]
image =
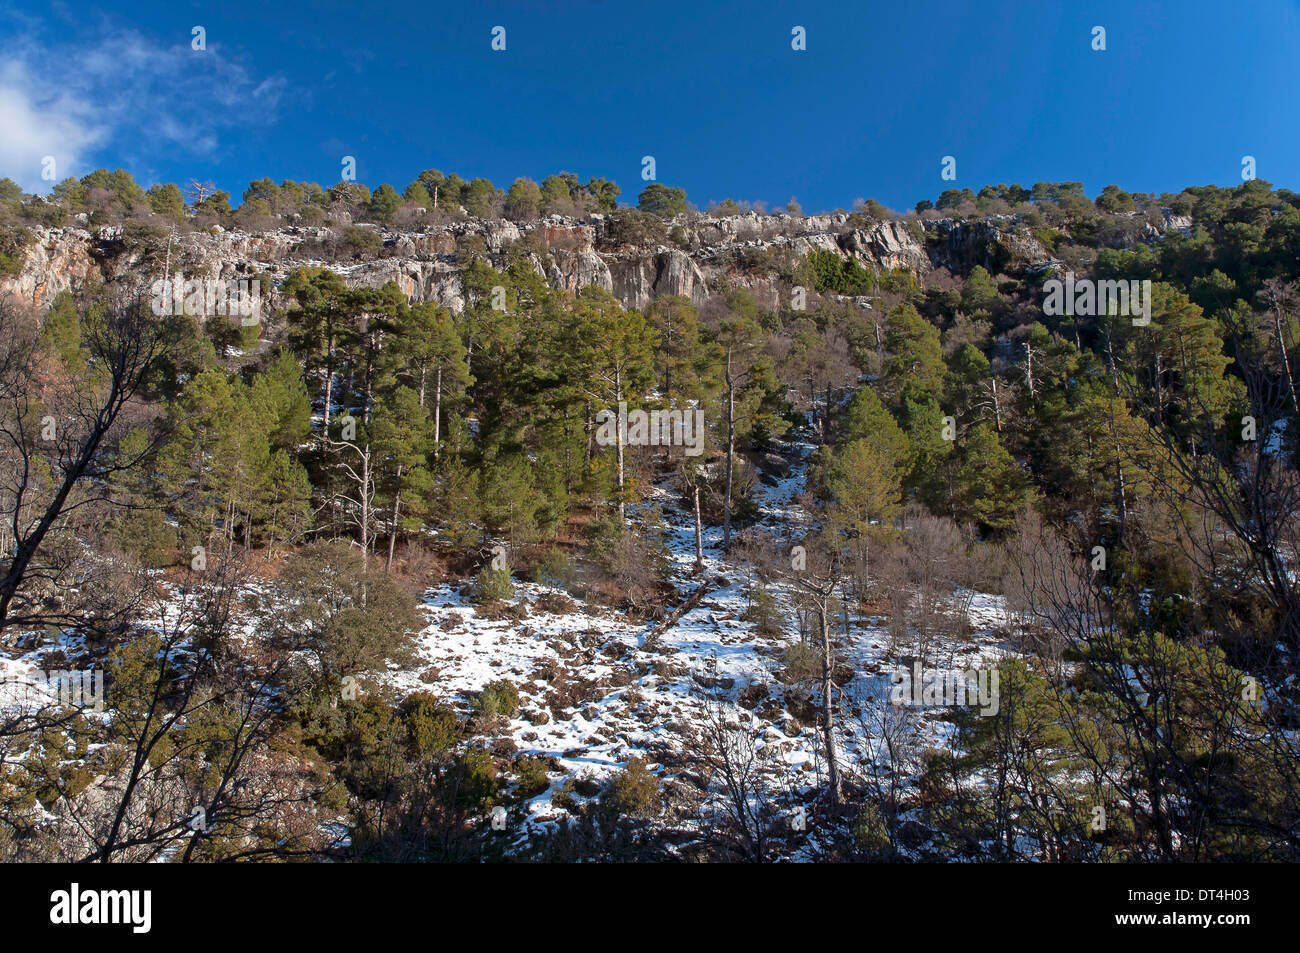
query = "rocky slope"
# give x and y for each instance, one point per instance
(703, 254)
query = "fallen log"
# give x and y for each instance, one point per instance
(690, 603)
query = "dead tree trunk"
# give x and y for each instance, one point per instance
(699, 531)
(731, 454)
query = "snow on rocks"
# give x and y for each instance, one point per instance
(593, 695)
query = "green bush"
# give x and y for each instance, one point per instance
(841, 275)
(499, 698)
(476, 781)
(629, 226)
(634, 792)
(533, 777)
(492, 585)
(1049, 238)
(573, 788)
(900, 281)
(143, 234)
(871, 830)
(764, 611)
(800, 663)
(432, 727)
(45, 214)
(556, 569)
(147, 536)
(360, 242)
(664, 201)
(14, 240)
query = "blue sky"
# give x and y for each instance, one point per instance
(1012, 90)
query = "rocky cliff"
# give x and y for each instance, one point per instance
(701, 254)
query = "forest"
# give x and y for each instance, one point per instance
(370, 576)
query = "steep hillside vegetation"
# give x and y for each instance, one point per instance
(530, 526)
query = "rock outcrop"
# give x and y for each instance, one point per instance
(704, 254)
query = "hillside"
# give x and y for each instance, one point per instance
(984, 551)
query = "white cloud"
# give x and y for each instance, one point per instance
(34, 126)
(126, 93)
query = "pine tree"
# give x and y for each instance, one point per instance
(282, 399)
(619, 350)
(204, 416)
(989, 487)
(973, 389)
(915, 354)
(317, 323)
(286, 502)
(372, 316)
(428, 354)
(865, 418)
(750, 392)
(864, 495)
(676, 322)
(922, 421)
(399, 433)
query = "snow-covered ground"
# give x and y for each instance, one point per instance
(639, 701)
(595, 691)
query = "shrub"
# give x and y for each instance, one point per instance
(841, 275)
(664, 201)
(476, 782)
(574, 787)
(633, 562)
(556, 569)
(45, 214)
(360, 242)
(14, 240)
(757, 259)
(432, 727)
(533, 777)
(350, 618)
(800, 663)
(142, 234)
(492, 585)
(634, 791)
(147, 536)
(556, 603)
(632, 227)
(500, 609)
(871, 830)
(764, 612)
(1049, 238)
(500, 697)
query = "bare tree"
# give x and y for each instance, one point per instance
(727, 746)
(188, 771)
(817, 583)
(198, 192)
(895, 734)
(62, 461)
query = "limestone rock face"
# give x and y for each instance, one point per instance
(57, 261)
(633, 279)
(639, 278)
(573, 270)
(997, 243)
(889, 244)
(420, 281)
(700, 255)
(678, 275)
